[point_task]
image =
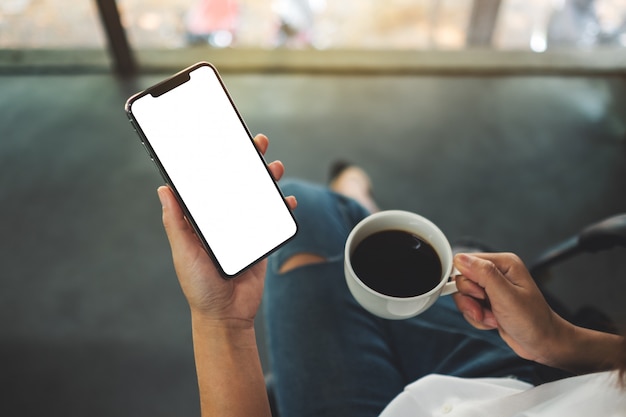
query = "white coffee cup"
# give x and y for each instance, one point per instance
(397, 308)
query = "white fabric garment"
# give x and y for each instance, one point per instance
(583, 396)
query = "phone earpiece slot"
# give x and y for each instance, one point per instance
(167, 85)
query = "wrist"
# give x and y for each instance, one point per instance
(582, 350)
(224, 334)
(550, 343)
(560, 349)
(230, 375)
(209, 320)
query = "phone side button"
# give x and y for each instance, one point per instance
(160, 172)
(134, 126)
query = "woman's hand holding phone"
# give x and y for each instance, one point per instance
(232, 302)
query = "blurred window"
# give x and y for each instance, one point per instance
(322, 24)
(30, 24)
(539, 25)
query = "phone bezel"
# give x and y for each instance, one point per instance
(164, 86)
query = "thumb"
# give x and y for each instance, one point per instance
(482, 270)
(178, 230)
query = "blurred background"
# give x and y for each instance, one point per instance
(504, 120)
(322, 24)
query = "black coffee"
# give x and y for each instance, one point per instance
(397, 263)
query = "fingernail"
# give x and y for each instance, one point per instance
(162, 198)
(465, 259)
(491, 322)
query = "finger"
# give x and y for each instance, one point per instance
(489, 320)
(469, 307)
(472, 301)
(475, 312)
(262, 143)
(481, 269)
(470, 288)
(179, 233)
(277, 169)
(291, 202)
(509, 265)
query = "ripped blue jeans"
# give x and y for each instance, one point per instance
(330, 357)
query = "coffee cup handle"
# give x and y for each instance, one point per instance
(450, 287)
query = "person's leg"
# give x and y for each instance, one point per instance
(440, 341)
(328, 356)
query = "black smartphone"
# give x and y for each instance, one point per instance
(191, 129)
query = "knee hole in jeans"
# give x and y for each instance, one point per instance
(299, 260)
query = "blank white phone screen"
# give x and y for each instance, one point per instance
(206, 151)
